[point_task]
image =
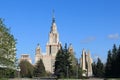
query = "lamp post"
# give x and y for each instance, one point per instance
(77, 65)
(18, 71)
(67, 72)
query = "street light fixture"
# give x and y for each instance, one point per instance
(77, 65)
(67, 72)
(18, 71)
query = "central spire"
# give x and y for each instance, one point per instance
(53, 16)
(53, 35)
(53, 27)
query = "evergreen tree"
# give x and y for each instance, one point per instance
(113, 63)
(114, 52)
(74, 65)
(68, 62)
(108, 66)
(63, 68)
(58, 71)
(7, 48)
(39, 70)
(118, 63)
(26, 69)
(94, 68)
(80, 72)
(98, 68)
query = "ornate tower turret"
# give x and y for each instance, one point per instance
(38, 51)
(38, 54)
(70, 49)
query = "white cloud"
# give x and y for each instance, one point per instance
(88, 40)
(114, 36)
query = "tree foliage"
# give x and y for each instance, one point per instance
(98, 68)
(94, 68)
(7, 49)
(112, 68)
(63, 63)
(7, 46)
(66, 65)
(39, 70)
(108, 66)
(74, 66)
(26, 69)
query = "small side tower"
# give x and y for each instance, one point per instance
(38, 54)
(86, 63)
(70, 49)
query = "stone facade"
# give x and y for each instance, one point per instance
(86, 63)
(52, 47)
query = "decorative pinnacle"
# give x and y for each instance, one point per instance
(53, 16)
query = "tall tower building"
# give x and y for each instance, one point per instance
(53, 44)
(52, 47)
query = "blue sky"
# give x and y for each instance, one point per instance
(90, 24)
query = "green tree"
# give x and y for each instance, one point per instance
(26, 69)
(114, 52)
(39, 70)
(113, 63)
(63, 68)
(108, 66)
(80, 72)
(7, 49)
(98, 68)
(68, 62)
(74, 65)
(74, 69)
(94, 68)
(58, 71)
(118, 63)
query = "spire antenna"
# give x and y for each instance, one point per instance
(53, 16)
